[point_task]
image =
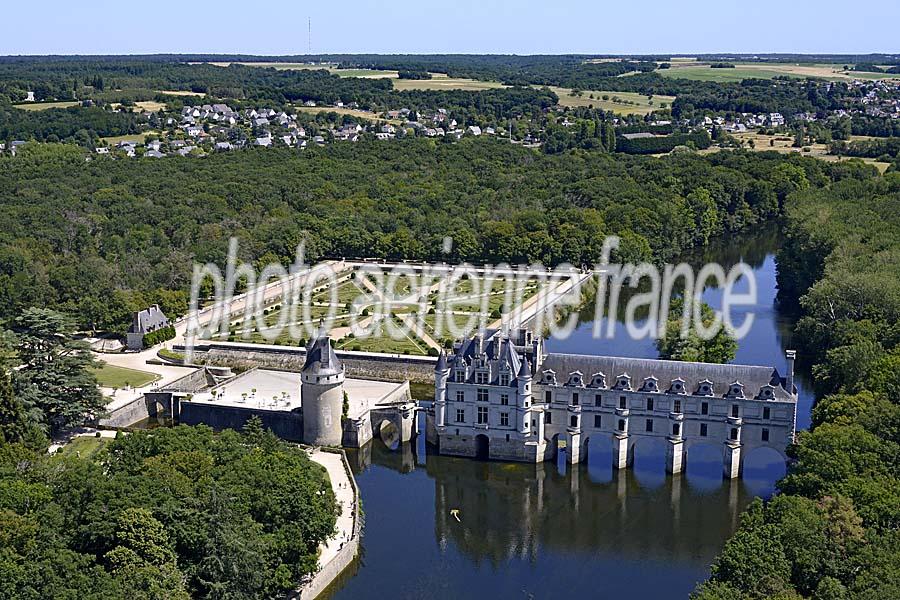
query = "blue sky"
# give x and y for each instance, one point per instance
(473, 26)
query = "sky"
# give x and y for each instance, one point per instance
(276, 27)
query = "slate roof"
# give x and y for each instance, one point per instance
(147, 320)
(321, 359)
(665, 371)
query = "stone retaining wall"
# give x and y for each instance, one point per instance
(327, 575)
(363, 365)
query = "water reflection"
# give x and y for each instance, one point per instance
(533, 530)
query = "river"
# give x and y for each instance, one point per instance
(548, 530)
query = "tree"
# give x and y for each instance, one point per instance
(721, 348)
(143, 559)
(54, 374)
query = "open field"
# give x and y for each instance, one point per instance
(45, 105)
(691, 69)
(641, 105)
(331, 68)
(180, 93)
(121, 377)
(150, 105)
(360, 114)
(440, 81)
(139, 138)
(784, 145)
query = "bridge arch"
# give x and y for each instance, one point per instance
(649, 459)
(389, 433)
(703, 463)
(762, 466)
(597, 452)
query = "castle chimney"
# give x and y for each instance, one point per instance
(789, 376)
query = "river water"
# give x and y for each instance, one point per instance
(442, 527)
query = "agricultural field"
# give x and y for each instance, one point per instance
(111, 376)
(640, 105)
(150, 105)
(698, 71)
(45, 105)
(360, 114)
(139, 138)
(331, 68)
(784, 144)
(440, 81)
(424, 306)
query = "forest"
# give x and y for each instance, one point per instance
(169, 514)
(833, 531)
(98, 239)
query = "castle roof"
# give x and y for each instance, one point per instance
(753, 378)
(321, 359)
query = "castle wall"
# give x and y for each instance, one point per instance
(286, 425)
(363, 365)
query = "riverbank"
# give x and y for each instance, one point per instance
(341, 549)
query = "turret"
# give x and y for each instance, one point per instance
(322, 394)
(441, 375)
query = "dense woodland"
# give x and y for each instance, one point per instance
(834, 530)
(170, 515)
(99, 238)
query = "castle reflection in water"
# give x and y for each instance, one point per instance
(512, 510)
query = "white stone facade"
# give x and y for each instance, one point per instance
(500, 397)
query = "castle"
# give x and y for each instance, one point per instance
(318, 406)
(499, 396)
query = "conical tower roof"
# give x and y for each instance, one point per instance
(321, 359)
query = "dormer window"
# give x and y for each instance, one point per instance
(598, 380)
(705, 388)
(575, 379)
(623, 382)
(650, 385)
(549, 378)
(767, 392)
(460, 376)
(481, 377)
(504, 378)
(736, 390)
(677, 386)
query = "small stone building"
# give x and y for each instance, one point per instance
(143, 322)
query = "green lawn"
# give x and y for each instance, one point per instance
(120, 377)
(84, 446)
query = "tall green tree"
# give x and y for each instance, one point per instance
(54, 375)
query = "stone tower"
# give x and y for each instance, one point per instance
(322, 394)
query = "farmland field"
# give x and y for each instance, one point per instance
(440, 81)
(45, 105)
(330, 67)
(703, 72)
(360, 114)
(641, 105)
(138, 138)
(783, 144)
